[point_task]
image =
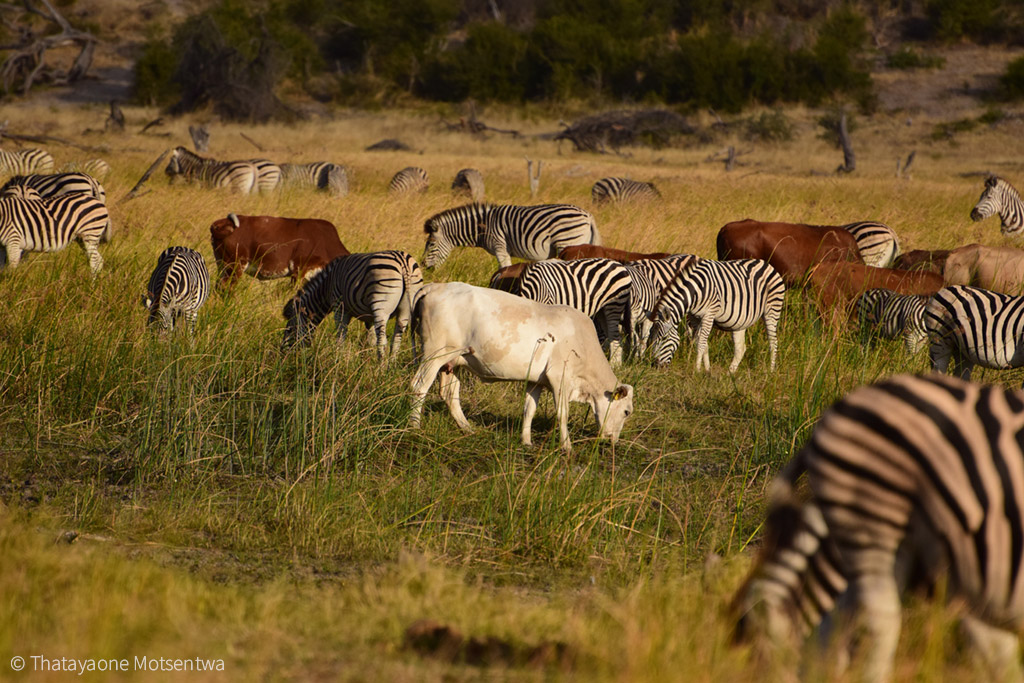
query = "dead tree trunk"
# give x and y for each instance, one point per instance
(200, 138)
(116, 119)
(849, 159)
(134, 192)
(26, 59)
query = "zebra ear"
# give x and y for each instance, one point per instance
(429, 228)
(234, 220)
(991, 181)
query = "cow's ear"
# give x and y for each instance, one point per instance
(234, 220)
(621, 391)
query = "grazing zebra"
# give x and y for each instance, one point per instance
(319, 175)
(876, 242)
(370, 287)
(599, 288)
(922, 473)
(469, 182)
(623, 189)
(237, 176)
(534, 233)
(895, 315)
(25, 161)
(58, 184)
(409, 179)
(32, 223)
(643, 294)
(660, 272)
(178, 286)
(1002, 198)
(974, 326)
(730, 295)
(268, 175)
(97, 168)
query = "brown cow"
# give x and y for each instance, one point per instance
(507, 279)
(931, 261)
(1000, 269)
(582, 251)
(791, 248)
(838, 285)
(269, 247)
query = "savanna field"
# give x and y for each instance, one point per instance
(274, 511)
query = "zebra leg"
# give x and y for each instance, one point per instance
(999, 649)
(876, 595)
(190, 321)
(739, 348)
(771, 326)
(706, 323)
(13, 250)
(380, 333)
(962, 367)
(341, 320)
(939, 352)
(450, 393)
(93, 254)
(533, 392)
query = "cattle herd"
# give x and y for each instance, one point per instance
(917, 477)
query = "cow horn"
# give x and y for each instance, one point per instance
(234, 220)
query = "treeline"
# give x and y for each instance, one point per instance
(694, 53)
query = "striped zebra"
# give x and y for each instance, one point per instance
(622, 190)
(469, 183)
(876, 242)
(373, 287)
(974, 326)
(58, 184)
(643, 294)
(32, 223)
(268, 175)
(97, 168)
(894, 315)
(911, 473)
(409, 179)
(730, 295)
(597, 287)
(178, 287)
(534, 233)
(25, 161)
(660, 272)
(237, 176)
(319, 175)
(1002, 198)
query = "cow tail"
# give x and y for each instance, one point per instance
(414, 297)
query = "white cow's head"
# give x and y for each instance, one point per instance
(611, 408)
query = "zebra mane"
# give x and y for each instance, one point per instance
(471, 208)
(683, 269)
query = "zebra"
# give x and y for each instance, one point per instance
(409, 179)
(268, 175)
(97, 168)
(920, 473)
(660, 272)
(178, 286)
(1002, 198)
(643, 294)
(597, 287)
(25, 161)
(622, 189)
(534, 233)
(58, 184)
(371, 287)
(238, 176)
(469, 182)
(895, 315)
(33, 223)
(320, 175)
(877, 242)
(731, 295)
(974, 326)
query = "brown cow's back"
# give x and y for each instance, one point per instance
(931, 261)
(838, 284)
(1000, 269)
(273, 246)
(791, 248)
(582, 251)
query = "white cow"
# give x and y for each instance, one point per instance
(500, 336)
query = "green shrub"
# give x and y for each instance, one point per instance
(154, 73)
(1011, 83)
(956, 19)
(909, 58)
(769, 127)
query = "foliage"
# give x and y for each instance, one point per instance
(957, 19)
(772, 126)
(1011, 83)
(908, 58)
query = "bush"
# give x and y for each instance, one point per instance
(769, 127)
(154, 72)
(956, 19)
(909, 58)
(1011, 83)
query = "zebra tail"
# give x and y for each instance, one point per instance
(782, 490)
(595, 235)
(108, 231)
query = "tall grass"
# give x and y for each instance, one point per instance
(286, 489)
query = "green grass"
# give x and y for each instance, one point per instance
(272, 509)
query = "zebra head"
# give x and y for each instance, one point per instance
(664, 340)
(458, 227)
(173, 169)
(296, 329)
(1000, 197)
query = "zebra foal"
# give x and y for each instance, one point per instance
(730, 295)
(621, 190)
(29, 222)
(894, 315)
(911, 473)
(373, 288)
(600, 288)
(25, 161)
(973, 326)
(178, 286)
(534, 233)
(1000, 197)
